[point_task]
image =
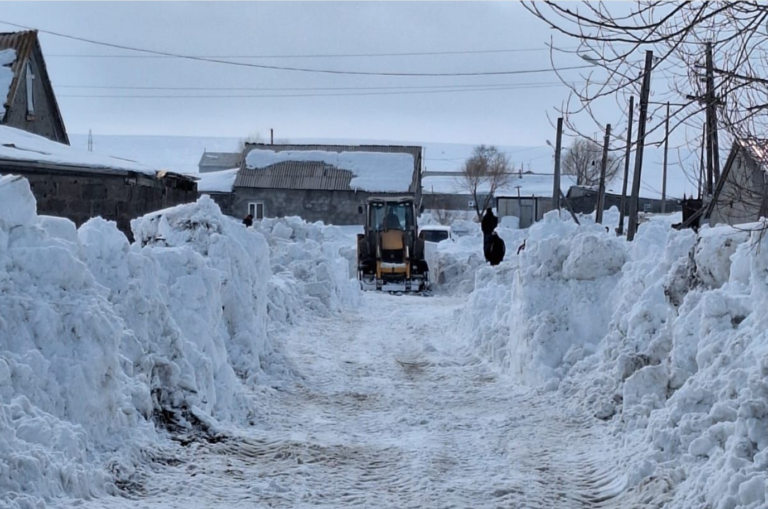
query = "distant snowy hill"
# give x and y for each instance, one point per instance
(182, 154)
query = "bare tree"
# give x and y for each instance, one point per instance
(251, 138)
(582, 160)
(612, 37)
(484, 173)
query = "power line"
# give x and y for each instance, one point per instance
(319, 55)
(296, 69)
(266, 89)
(265, 96)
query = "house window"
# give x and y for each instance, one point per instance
(646, 207)
(256, 209)
(359, 209)
(30, 91)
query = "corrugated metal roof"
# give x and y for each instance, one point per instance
(312, 175)
(24, 44)
(295, 175)
(228, 159)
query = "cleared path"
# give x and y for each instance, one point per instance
(390, 412)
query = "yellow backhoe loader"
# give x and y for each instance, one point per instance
(390, 256)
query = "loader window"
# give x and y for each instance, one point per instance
(391, 216)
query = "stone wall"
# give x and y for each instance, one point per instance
(434, 201)
(584, 201)
(119, 198)
(330, 207)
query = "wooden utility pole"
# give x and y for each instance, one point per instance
(701, 162)
(271, 136)
(603, 169)
(558, 147)
(713, 146)
(664, 171)
(644, 93)
(627, 153)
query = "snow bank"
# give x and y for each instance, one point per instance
(7, 57)
(664, 337)
(389, 172)
(18, 145)
(318, 260)
(104, 343)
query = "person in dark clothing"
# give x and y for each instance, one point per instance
(496, 250)
(488, 224)
(248, 221)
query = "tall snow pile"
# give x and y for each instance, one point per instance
(454, 263)
(665, 337)
(312, 263)
(103, 344)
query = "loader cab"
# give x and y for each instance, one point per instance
(397, 214)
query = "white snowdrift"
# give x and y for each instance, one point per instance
(103, 343)
(390, 172)
(665, 337)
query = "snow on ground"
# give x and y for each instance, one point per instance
(663, 338)
(107, 346)
(390, 412)
(583, 371)
(389, 172)
(18, 145)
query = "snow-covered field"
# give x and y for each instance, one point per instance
(211, 365)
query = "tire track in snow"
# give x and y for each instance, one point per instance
(389, 415)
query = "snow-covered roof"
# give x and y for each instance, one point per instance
(18, 145)
(217, 181)
(219, 159)
(373, 171)
(435, 227)
(7, 57)
(530, 184)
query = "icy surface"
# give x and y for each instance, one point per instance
(18, 145)
(373, 171)
(217, 181)
(7, 57)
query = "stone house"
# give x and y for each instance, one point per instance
(78, 185)
(328, 183)
(741, 195)
(27, 100)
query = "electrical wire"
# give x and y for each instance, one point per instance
(272, 96)
(241, 89)
(296, 69)
(328, 55)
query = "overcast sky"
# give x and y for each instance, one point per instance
(509, 117)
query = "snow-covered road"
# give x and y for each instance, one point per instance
(391, 412)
